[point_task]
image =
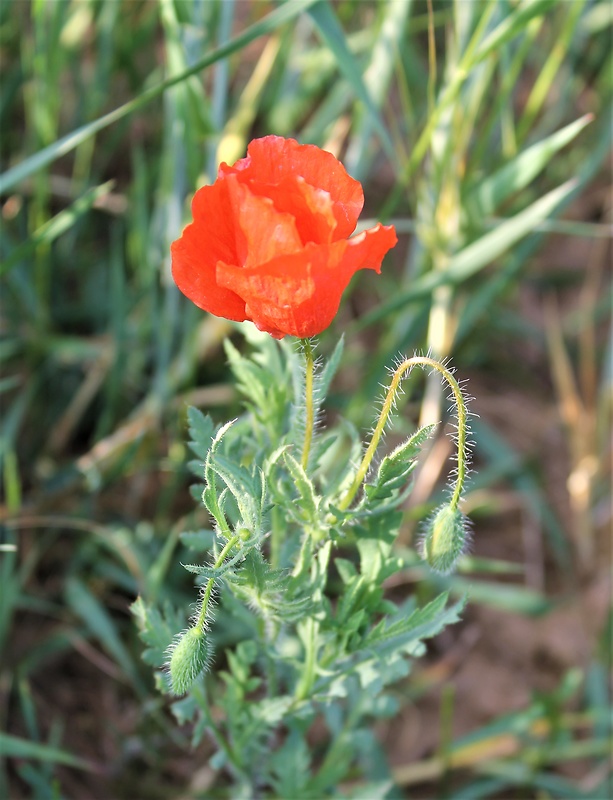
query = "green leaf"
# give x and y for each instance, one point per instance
(101, 625)
(248, 489)
(396, 467)
(210, 497)
(272, 710)
(201, 431)
(381, 528)
(517, 173)
(329, 28)
(290, 765)
(215, 573)
(372, 791)
(518, 599)
(15, 747)
(56, 226)
(185, 709)
(511, 25)
(252, 380)
(200, 541)
(155, 631)
(346, 569)
(324, 378)
(482, 252)
(271, 593)
(374, 558)
(358, 593)
(308, 500)
(424, 622)
(377, 76)
(381, 658)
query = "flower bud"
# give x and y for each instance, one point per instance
(445, 539)
(188, 659)
(244, 534)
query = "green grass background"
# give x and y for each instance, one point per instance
(481, 128)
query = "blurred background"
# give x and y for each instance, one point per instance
(482, 129)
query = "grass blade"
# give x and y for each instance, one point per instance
(100, 624)
(56, 226)
(15, 747)
(479, 254)
(68, 143)
(518, 173)
(333, 35)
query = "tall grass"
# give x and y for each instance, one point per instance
(482, 129)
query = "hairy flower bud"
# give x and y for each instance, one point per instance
(445, 539)
(188, 659)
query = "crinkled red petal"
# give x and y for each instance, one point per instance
(272, 159)
(212, 213)
(209, 239)
(312, 208)
(262, 231)
(299, 294)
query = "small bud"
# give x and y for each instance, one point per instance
(188, 659)
(445, 539)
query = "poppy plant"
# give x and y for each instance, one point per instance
(269, 241)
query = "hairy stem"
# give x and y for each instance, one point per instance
(208, 589)
(309, 404)
(388, 404)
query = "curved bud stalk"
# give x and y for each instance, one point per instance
(190, 654)
(446, 536)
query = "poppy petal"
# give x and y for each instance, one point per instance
(212, 213)
(312, 208)
(271, 159)
(195, 254)
(299, 294)
(262, 231)
(194, 275)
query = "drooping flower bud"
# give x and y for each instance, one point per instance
(188, 659)
(445, 539)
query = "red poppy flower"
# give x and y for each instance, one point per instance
(269, 239)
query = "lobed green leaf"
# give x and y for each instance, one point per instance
(396, 467)
(201, 430)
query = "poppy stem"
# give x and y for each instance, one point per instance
(309, 404)
(208, 590)
(388, 404)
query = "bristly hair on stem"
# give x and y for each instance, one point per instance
(308, 408)
(190, 653)
(402, 368)
(309, 402)
(447, 535)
